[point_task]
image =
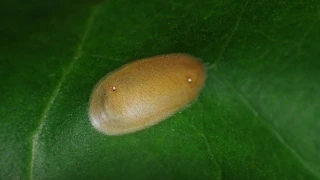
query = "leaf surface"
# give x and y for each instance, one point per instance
(256, 118)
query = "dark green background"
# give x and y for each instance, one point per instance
(256, 118)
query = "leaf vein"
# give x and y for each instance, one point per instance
(249, 105)
(203, 135)
(77, 55)
(233, 32)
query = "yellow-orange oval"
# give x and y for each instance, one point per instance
(142, 93)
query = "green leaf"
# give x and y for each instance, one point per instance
(257, 117)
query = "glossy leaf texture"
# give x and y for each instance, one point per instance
(257, 117)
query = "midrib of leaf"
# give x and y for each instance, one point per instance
(272, 129)
(77, 55)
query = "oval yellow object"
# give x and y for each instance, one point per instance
(144, 92)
